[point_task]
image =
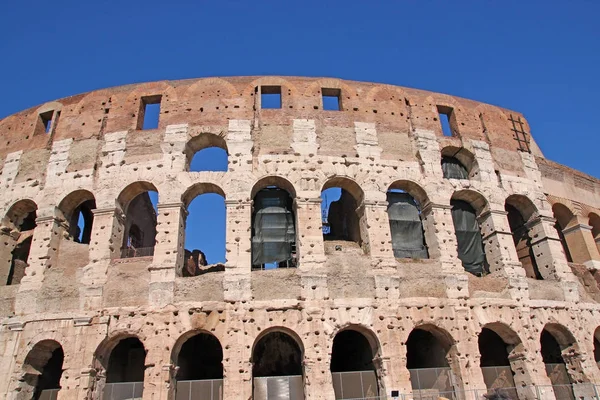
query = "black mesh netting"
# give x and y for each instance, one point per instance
(273, 226)
(468, 237)
(453, 169)
(405, 226)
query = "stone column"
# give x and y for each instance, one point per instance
(501, 253)
(237, 368)
(238, 264)
(318, 384)
(550, 257)
(105, 244)
(42, 255)
(168, 253)
(393, 361)
(378, 231)
(465, 362)
(156, 376)
(582, 245)
(441, 242)
(310, 248)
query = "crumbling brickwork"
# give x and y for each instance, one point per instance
(121, 291)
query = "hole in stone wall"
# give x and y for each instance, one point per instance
(149, 112)
(332, 99)
(46, 119)
(270, 97)
(445, 115)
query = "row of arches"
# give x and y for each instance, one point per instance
(356, 367)
(274, 224)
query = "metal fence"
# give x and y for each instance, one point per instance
(279, 388)
(206, 389)
(500, 378)
(355, 385)
(431, 383)
(49, 394)
(123, 390)
(130, 252)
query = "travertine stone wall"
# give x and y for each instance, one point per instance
(383, 137)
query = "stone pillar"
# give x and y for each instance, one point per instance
(537, 368)
(156, 376)
(42, 255)
(105, 244)
(168, 253)
(582, 245)
(237, 368)
(393, 361)
(318, 384)
(550, 257)
(7, 245)
(238, 264)
(378, 231)
(441, 242)
(310, 248)
(501, 253)
(465, 362)
(524, 377)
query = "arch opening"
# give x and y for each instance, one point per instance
(277, 367)
(458, 163)
(563, 217)
(18, 227)
(496, 367)
(42, 369)
(429, 359)
(125, 369)
(273, 226)
(205, 225)
(594, 221)
(343, 212)
(353, 369)
(76, 210)
(206, 152)
(468, 238)
(522, 239)
(200, 368)
(406, 227)
(558, 349)
(141, 212)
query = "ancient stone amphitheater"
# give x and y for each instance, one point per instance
(457, 259)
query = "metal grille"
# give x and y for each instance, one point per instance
(279, 388)
(500, 378)
(355, 385)
(519, 134)
(206, 389)
(123, 390)
(131, 252)
(49, 394)
(431, 383)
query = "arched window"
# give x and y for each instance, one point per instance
(353, 372)
(468, 237)
(343, 216)
(42, 371)
(277, 370)
(597, 347)
(18, 227)
(520, 209)
(200, 368)
(555, 366)
(458, 163)
(563, 217)
(594, 221)
(495, 363)
(273, 226)
(139, 202)
(76, 209)
(429, 354)
(204, 230)
(404, 213)
(125, 371)
(207, 152)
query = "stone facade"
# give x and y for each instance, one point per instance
(85, 298)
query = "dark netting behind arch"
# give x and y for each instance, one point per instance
(468, 238)
(274, 233)
(453, 169)
(405, 226)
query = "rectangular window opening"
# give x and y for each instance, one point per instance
(332, 99)
(270, 97)
(445, 114)
(46, 119)
(149, 112)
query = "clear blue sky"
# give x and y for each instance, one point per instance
(538, 57)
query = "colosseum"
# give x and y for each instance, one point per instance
(450, 260)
